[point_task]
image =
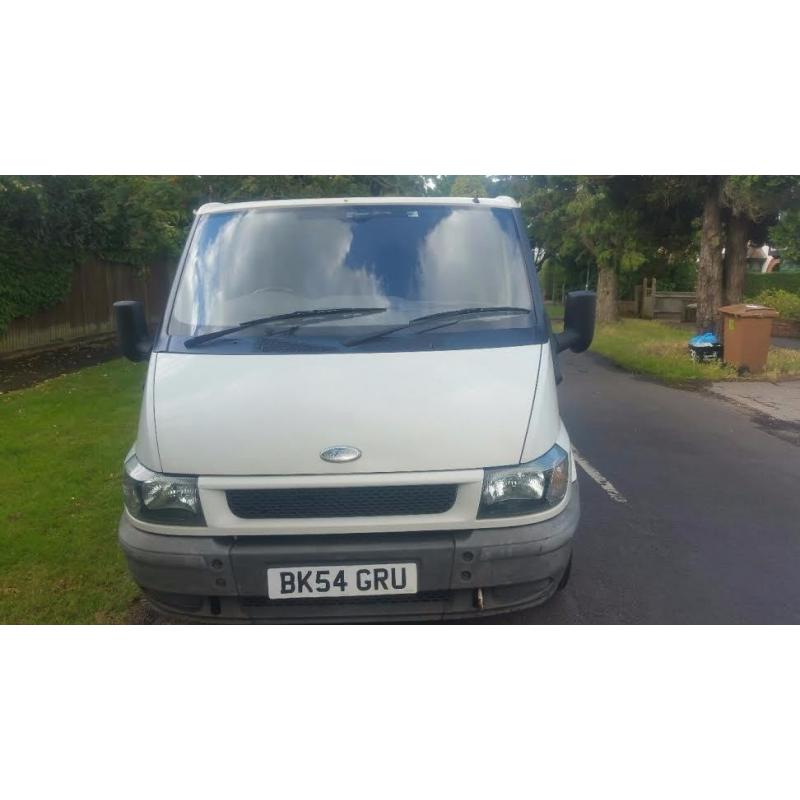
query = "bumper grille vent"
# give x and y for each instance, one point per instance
(349, 501)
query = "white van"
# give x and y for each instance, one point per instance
(350, 412)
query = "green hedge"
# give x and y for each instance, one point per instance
(786, 303)
(32, 276)
(757, 282)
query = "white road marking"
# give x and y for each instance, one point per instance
(603, 482)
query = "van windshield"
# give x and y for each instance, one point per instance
(410, 260)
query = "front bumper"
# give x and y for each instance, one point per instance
(225, 578)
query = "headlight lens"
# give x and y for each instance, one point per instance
(526, 488)
(153, 497)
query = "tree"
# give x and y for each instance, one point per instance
(593, 221)
(543, 202)
(470, 186)
(44, 224)
(737, 209)
(709, 272)
(703, 198)
(785, 235)
(755, 203)
(627, 226)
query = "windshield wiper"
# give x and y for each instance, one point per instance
(443, 317)
(297, 318)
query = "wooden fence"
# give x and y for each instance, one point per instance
(86, 312)
(651, 304)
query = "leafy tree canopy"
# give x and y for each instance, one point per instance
(48, 223)
(785, 235)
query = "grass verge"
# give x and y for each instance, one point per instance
(555, 310)
(660, 350)
(61, 453)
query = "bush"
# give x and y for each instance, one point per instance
(757, 282)
(787, 303)
(32, 276)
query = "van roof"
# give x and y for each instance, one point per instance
(493, 202)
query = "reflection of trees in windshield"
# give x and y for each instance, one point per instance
(260, 262)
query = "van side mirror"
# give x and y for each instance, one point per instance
(579, 311)
(134, 340)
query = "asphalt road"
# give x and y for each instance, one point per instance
(710, 532)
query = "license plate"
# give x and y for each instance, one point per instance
(354, 580)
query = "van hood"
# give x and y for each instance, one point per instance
(274, 414)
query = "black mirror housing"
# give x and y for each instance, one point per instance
(134, 340)
(579, 315)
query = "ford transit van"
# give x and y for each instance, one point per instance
(350, 413)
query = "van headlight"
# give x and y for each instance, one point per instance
(166, 499)
(525, 488)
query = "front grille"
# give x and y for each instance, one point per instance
(348, 501)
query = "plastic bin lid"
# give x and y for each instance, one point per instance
(749, 310)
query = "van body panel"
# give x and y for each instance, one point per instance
(545, 417)
(146, 441)
(414, 411)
